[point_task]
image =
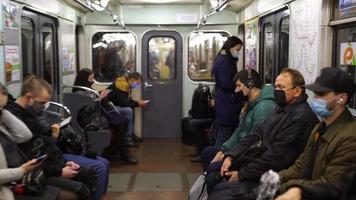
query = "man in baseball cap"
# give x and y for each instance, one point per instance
(331, 150)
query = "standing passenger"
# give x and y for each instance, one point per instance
(228, 104)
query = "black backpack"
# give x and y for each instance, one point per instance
(200, 103)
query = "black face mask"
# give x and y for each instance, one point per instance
(280, 98)
(36, 108)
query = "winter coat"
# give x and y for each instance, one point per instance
(336, 154)
(41, 143)
(120, 94)
(228, 104)
(284, 133)
(17, 132)
(257, 111)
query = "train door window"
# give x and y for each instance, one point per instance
(203, 48)
(268, 52)
(48, 57)
(80, 47)
(283, 44)
(345, 51)
(274, 45)
(27, 44)
(113, 54)
(344, 9)
(162, 58)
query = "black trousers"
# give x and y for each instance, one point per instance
(197, 126)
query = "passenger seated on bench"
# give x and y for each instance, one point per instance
(13, 132)
(35, 93)
(274, 144)
(260, 104)
(117, 149)
(331, 149)
(121, 97)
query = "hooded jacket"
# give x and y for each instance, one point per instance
(257, 111)
(284, 133)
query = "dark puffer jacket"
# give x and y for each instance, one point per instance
(284, 132)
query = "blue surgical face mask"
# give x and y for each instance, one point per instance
(320, 107)
(235, 54)
(135, 85)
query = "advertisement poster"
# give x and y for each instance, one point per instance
(68, 61)
(12, 64)
(347, 53)
(251, 44)
(347, 4)
(10, 16)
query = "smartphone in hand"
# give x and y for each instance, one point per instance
(41, 158)
(146, 101)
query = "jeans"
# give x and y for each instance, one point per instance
(128, 114)
(207, 156)
(241, 190)
(101, 166)
(197, 126)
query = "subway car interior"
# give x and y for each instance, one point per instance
(126, 99)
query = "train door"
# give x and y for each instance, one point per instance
(162, 84)
(39, 48)
(274, 45)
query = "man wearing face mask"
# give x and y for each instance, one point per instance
(274, 144)
(260, 104)
(331, 149)
(121, 96)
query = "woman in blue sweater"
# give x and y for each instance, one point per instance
(228, 104)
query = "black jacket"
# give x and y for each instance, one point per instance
(41, 143)
(120, 93)
(284, 133)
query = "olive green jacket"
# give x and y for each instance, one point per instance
(336, 154)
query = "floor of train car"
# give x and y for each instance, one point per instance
(164, 172)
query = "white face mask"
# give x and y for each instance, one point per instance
(235, 54)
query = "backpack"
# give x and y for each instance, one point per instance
(199, 189)
(200, 102)
(187, 135)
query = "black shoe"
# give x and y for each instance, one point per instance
(196, 159)
(128, 159)
(194, 154)
(137, 139)
(131, 144)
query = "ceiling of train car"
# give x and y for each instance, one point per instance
(233, 4)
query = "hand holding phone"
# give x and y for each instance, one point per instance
(41, 158)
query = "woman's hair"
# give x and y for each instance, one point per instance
(82, 79)
(231, 42)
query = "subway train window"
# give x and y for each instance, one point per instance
(113, 53)
(203, 47)
(48, 57)
(162, 58)
(345, 49)
(283, 44)
(268, 52)
(27, 43)
(344, 9)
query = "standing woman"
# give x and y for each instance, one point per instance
(227, 103)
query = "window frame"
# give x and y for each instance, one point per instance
(111, 31)
(209, 81)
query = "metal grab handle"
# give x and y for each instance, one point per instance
(147, 85)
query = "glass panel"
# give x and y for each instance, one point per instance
(113, 54)
(346, 51)
(48, 57)
(283, 44)
(162, 58)
(203, 48)
(27, 40)
(344, 9)
(267, 52)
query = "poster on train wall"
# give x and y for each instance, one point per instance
(68, 61)
(304, 38)
(346, 4)
(12, 64)
(347, 53)
(251, 44)
(10, 14)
